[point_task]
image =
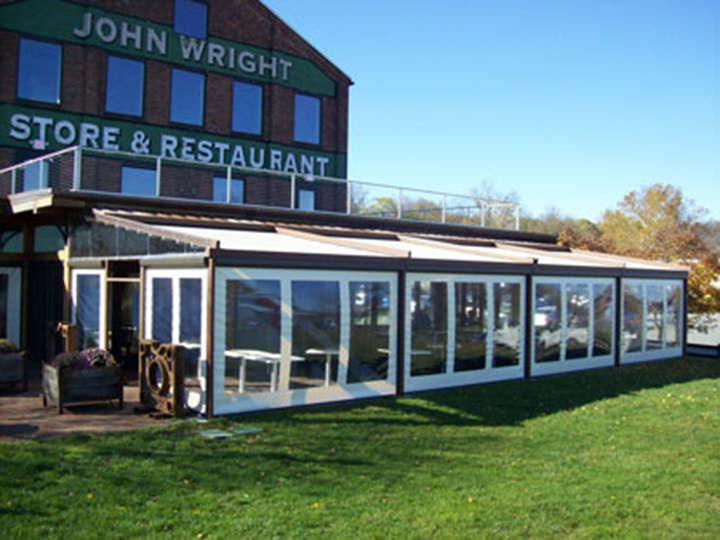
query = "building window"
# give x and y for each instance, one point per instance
(306, 200)
(247, 108)
(307, 119)
(136, 181)
(39, 71)
(187, 97)
(124, 86)
(191, 18)
(220, 190)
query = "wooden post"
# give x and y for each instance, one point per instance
(618, 319)
(209, 376)
(400, 357)
(529, 315)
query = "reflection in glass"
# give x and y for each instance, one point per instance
(307, 119)
(252, 336)
(162, 301)
(191, 323)
(237, 190)
(124, 87)
(247, 108)
(674, 315)
(137, 181)
(428, 312)
(471, 326)
(3, 305)
(315, 333)
(507, 324)
(39, 71)
(604, 309)
(87, 311)
(578, 321)
(632, 318)
(548, 322)
(187, 97)
(654, 321)
(369, 331)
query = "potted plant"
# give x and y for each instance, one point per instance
(79, 376)
(12, 365)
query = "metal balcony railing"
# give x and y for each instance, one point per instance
(102, 171)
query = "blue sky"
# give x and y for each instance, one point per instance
(569, 103)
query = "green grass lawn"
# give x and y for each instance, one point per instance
(629, 453)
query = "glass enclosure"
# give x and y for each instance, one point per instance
(88, 306)
(462, 329)
(297, 336)
(10, 287)
(573, 324)
(652, 319)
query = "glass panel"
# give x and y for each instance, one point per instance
(548, 322)
(471, 326)
(247, 108)
(87, 310)
(252, 336)
(11, 241)
(369, 332)
(3, 305)
(137, 181)
(191, 18)
(674, 315)
(187, 97)
(315, 333)
(35, 176)
(48, 239)
(632, 318)
(162, 308)
(507, 324)
(237, 190)
(655, 316)
(428, 312)
(604, 311)
(578, 321)
(306, 200)
(307, 119)
(39, 71)
(191, 323)
(124, 89)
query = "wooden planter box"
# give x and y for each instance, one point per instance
(13, 369)
(63, 386)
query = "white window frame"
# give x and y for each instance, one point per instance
(665, 352)
(102, 330)
(451, 378)
(286, 397)
(563, 365)
(14, 278)
(194, 400)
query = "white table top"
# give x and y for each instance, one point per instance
(257, 355)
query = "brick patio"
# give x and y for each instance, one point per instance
(23, 417)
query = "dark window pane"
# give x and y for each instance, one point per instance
(507, 324)
(237, 190)
(632, 318)
(3, 305)
(187, 97)
(39, 71)
(252, 336)
(674, 315)
(190, 310)
(87, 311)
(162, 308)
(247, 108)
(578, 321)
(369, 331)
(604, 310)
(307, 119)
(470, 326)
(138, 182)
(655, 317)
(191, 18)
(124, 90)
(428, 312)
(548, 322)
(315, 333)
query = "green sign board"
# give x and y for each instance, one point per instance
(88, 25)
(41, 129)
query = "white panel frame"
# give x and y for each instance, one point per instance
(578, 364)
(450, 378)
(655, 354)
(285, 397)
(194, 400)
(102, 330)
(14, 278)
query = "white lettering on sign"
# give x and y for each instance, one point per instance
(65, 132)
(143, 38)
